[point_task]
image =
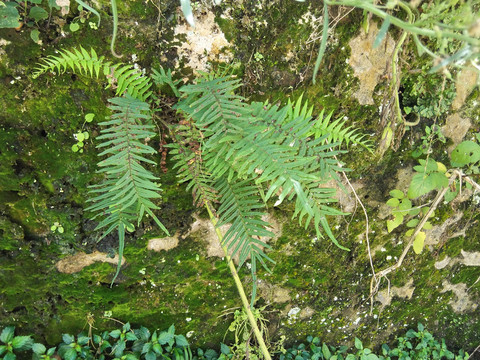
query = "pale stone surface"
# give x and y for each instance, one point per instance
(159, 244)
(405, 292)
(467, 259)
(203, 43)
(455, 128)
(465, 83)
(369, 64)
(77, 262)
(462, 302)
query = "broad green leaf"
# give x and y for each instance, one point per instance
(9, 17)
(418, 242)
(450, 195)
(37, 13)
(70, 354)
(9, 356)
(89, 117)
(80, 136)
(3, 348)
(165, 337)
(181, 340)
(412, 223)
(428, 225)
(467, 152)
(224, 349)
(131, 336)
(358, 344)
(393, 202)
(7, 334)
(120, 348)
(115, 333)
(35, 35)
(150, 355)
(39, 349)
(74, 27)
(405, 204)
(68, 339)
(326, 352)
(422, 184)
(22, 343)
(397, 194)
(83, 340)
(409, 232)
(392, 224)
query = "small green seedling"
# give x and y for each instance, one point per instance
(57, 227)
(81, 136)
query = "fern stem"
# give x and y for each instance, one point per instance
(241, 290)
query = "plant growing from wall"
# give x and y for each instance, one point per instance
(234, 157)
(429, 176)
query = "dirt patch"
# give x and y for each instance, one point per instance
(369, 64)
(405, 292)
(203, 43)
(465, 83)
(166, 243)
(462, 303)
(455, 128)
(273, 293)
(468, 259)
(75, 263)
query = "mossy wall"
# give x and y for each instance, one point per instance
(314, 288)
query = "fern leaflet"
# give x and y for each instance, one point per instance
(128, 189)
(122, 78)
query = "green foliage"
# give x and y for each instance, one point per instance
(10, 344)
(122, 78)
(128, 189)
(415, 345)
(126, 343)
(430, 175)
(333, 132)
(432, 135)
(427, 95)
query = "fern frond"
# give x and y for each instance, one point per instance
(266, 144)
(122, 78)
(189, 164)
(127, 192)
(239, 207)
(336, 132)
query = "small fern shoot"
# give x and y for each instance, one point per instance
(127, 192)
(122, 78)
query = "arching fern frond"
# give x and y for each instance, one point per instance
(336, 132)
(263, 144)
(122, 78)
(332, 132)
(127, 192)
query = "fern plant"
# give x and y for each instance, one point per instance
(234, 156)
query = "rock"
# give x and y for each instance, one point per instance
(75, 263)
(369, 64)
(166, 243)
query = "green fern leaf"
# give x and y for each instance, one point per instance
(122, 78)
(263, 143)
(127, 192)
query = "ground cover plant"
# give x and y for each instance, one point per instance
(128, 343)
